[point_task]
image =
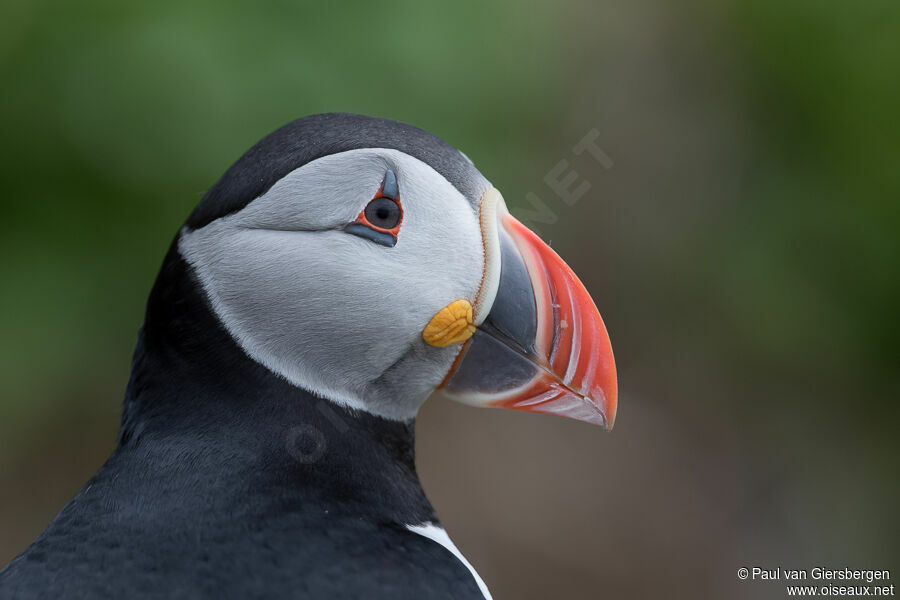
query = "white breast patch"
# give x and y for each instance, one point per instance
(437, 534)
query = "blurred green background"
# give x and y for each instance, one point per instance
(743, 250)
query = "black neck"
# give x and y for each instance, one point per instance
(193, 388)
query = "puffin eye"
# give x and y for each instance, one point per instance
(380, 220)
(383, 213)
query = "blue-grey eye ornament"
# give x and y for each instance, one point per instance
(380, 220)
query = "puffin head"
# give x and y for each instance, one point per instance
(370, 263)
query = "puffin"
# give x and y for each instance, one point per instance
(342, 271)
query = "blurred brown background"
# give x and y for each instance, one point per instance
(743, 250)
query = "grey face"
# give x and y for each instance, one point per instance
(334, 312)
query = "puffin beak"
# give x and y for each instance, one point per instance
(538, 344)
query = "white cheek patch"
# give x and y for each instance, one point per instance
(319, 195)
(333, 313)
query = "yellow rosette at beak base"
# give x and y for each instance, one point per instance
(453, 323)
